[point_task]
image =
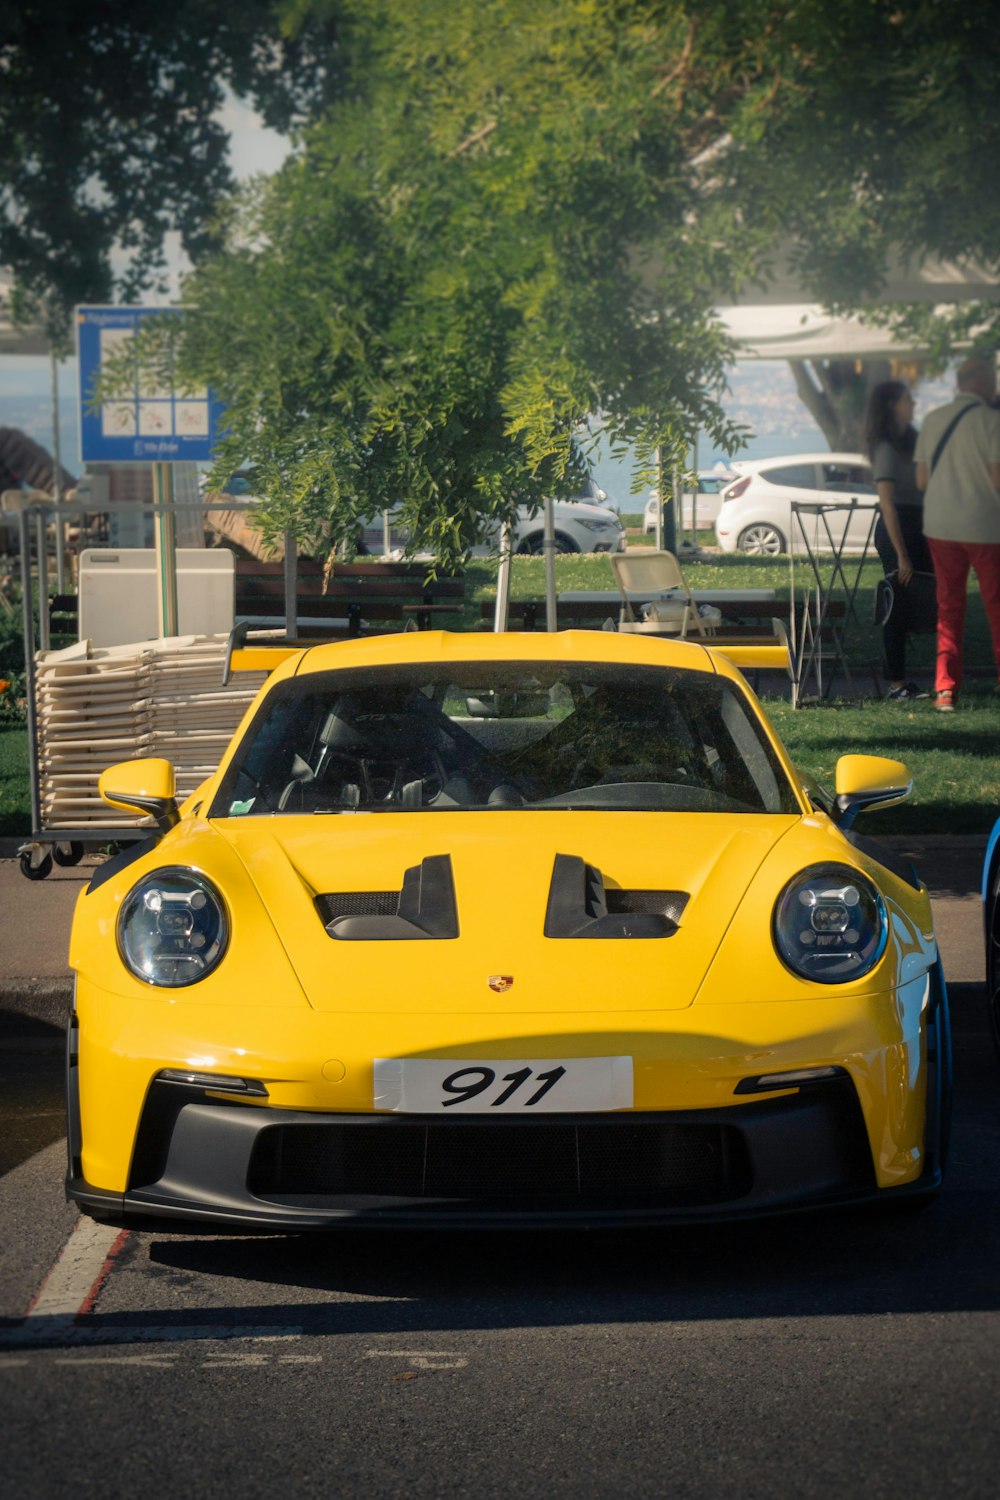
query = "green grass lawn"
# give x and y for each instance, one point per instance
(15, 800)
(954, 758)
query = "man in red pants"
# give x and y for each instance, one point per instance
(958, 465)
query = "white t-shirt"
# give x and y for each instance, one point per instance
(960, 502)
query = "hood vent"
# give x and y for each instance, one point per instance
(424, 908)
(580, 907)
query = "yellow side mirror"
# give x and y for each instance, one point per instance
(867, 781)
(142, 786)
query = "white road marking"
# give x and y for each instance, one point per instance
(151, 1361)
(168, 1361)
(237, 1357)
(64, 1331)
(77, 1272)
(410, 1353)
(422, 1359)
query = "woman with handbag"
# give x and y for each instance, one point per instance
(891, 439)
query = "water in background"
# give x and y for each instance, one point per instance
(762, 397)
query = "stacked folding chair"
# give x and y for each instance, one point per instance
(99, 705)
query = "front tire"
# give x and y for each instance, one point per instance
(534, 545)
(762, 540)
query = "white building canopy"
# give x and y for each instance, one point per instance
(774, 320)
(806, 331)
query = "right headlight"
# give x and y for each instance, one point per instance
(173, 928)
(830, 924)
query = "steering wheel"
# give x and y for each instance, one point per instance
(383, 781)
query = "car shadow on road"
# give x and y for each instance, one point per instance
(824, 1266)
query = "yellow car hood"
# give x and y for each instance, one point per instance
(502, 871)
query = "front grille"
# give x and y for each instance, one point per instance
(604, 1161)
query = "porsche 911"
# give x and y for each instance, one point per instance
(503, 930)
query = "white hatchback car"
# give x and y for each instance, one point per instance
(756, 512)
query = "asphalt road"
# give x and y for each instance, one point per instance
(818, 1356)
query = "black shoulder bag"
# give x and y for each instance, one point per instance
(948, 432)
(919, 598)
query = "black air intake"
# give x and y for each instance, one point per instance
(424, 908)
(580, 907)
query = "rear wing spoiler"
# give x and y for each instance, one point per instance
(251, 649)
(750, 652)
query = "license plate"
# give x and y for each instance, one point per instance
(529, 1086)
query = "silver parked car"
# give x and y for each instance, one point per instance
(580, 526)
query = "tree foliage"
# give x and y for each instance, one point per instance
(885, 151)
(506, 216)
(504, 229)
(109, 135)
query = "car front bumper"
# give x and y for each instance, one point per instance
(187, 1154)
(201, 1161)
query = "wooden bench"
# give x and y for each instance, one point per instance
(529, 614)
(64, 617)
(746, 623)
(360, 598)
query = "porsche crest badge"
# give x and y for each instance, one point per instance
(500, 982)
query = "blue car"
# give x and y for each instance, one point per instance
(991, 930)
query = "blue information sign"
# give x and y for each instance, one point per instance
(157, 421)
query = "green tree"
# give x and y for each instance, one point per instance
(458, 266)
(513, 215)
(109, 136)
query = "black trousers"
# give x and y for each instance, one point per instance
(894, 629)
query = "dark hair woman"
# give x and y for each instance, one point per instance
(890, 438)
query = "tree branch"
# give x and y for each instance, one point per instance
(475, 139)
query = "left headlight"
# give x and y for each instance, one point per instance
(173, 928)
(830, 924)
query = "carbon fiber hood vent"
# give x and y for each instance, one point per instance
(580, 906)
(424, 908)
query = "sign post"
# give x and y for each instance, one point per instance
(156, 419)
(165, 533)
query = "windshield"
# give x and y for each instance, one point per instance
(492, 735)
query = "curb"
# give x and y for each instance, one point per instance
(33, 1007)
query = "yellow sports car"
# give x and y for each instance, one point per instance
(532, 929)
